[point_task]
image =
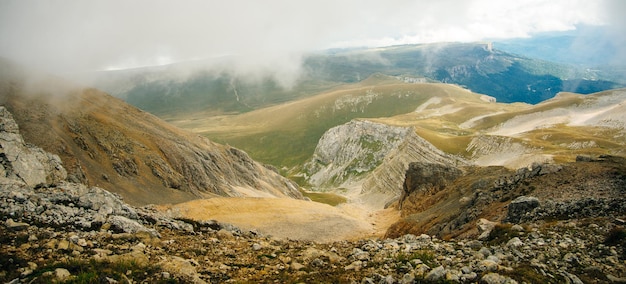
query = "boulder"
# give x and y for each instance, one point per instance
(17, 226)
(495, 278)
(520, 207)
(62, 274)
(436, 274)
(122, 224)
(484, 228)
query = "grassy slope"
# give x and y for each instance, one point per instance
(286, 135)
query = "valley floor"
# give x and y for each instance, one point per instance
(286, 218)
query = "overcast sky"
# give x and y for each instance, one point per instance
(70, 36)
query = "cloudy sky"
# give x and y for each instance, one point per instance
(71, 36)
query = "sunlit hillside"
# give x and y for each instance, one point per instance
(286, 135)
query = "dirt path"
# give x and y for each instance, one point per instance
(286, 218)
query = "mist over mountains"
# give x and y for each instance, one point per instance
(477, 66)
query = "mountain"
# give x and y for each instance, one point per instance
(371, 144)
(470, 128)
(476, 66)
(104, 141)
(286, 135)
(454, 120)
(590, 46)
(189, 87)
(192, 87)
(69, 232)
(460, 157)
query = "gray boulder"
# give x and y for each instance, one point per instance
(520, 207)
(495, 278)
(124, 225)
(436, 274)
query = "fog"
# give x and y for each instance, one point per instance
(264, 36)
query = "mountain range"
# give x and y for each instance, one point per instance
(187, 87)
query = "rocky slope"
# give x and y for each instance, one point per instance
(450, 204)
(103, 141)
(350, 150)
(67, 232)
(384, 184)
(23, 162)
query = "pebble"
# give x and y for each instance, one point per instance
(18, 226)
(256, 246)
(62, 274)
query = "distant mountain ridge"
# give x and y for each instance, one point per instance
(476, 66)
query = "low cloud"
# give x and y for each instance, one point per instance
(260, 36)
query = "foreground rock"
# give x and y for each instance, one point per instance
(562, 252)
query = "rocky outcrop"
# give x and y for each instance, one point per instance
(592, 188)
(346, 152)
(33, 191)
(426, 179)
(529, 209)
(375, 154)
(520, 207)
(105, 142)
(521, 175)
(389, 177)
(26, 163)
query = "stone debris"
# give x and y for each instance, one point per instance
(561, 252)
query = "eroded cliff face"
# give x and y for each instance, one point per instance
(347, 152)
(373, 155)
(105, 142)
(424, 179)
(385, 183)
(491, 150)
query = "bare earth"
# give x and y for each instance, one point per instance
(286, 218)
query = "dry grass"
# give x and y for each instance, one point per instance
(288, 218)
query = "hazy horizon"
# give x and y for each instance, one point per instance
(269, 36)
